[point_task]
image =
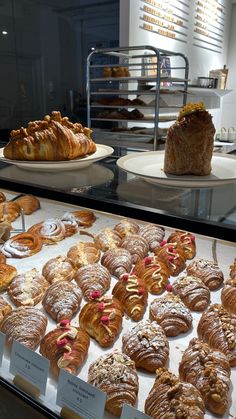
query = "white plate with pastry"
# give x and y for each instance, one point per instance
(149, 166)
(102, 152)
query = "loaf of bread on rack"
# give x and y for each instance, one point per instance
(54, 138)
(193, 292)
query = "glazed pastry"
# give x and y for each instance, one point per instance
(154, 235)
(59, 268)
(26, 325)
(7, 273)
(5, 308)
(186, 241)
(171, 398)
(208, 271)
(146, 344)
(218, 328)
(117, 261)
(171, 313)
(192, 291)
(62, 300)
(132, 293)
(154, 272)
(51, 230)
(126, 227)
(53, 139)
(209, 371)
(102, 319)
(84, 217)
(27, 289)
(136, 245)
(22, 245)
(28, 203)
(66, 347)
(173, 256)
(232, 273)
(9, 211)
(70, 223)
(5, 231)
(83, 253)
(2, 197)
(115, 374)
(107, 239)
(228, 295)
(93, 277)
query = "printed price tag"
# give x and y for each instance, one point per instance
(29, 365)
(2, 342)
(129, 412)
(79, 396)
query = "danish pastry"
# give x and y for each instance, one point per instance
(126, 227)
(9, 211)
(228, 295)
(7, 273)
(5, 308)
(154, 235)
(118, 261)
(192, 291)
(59, 268)
(154, 272)
(93, 277)
(208, 271)
(83, 253)
(186, 241)
(136, 245)
(173, 256)
(70, 223)
(22, 245)
(27, 289)
(28, 203)
(50, 231)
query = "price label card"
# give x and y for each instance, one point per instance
(129, 412)
(2, 342)
(79, 396)
(29, 365)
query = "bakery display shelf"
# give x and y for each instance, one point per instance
(133, 106)
(161, 118)
(140, 78)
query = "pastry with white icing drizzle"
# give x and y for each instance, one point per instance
(173, 256)
(186, 241)
(154, 272)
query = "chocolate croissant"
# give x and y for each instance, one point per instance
(136, 245)
(173, 256)
(209, 371)
(218, 328)
(126, 227)
(115, 374)
(118, 261)
(66, 347)
(50, 231)
(171, 398)
(146, 344)
(28, 288)
(59, 268)
(22, 245)
(171, 314)
(5, 308)
(154, 272)
(192, 291)
(208, 271)
(93, 278)
(28, 203)
(154, 235)
(186, 241)
(132, 293)
(102, 319)
(228, 295)
(83, 253)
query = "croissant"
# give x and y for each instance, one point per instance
(126, 227)
(59, 268)
(228, 295)
(192, 291)
(5, 308)
(50, 231)
(218, 328)
(102, 319)
(232, 273)
(84, 217)
(154, 272)
(93, 278)
(171, 398)
(208, 271)
(27, 289)
(7, 273)
(2, 197)
(107, 239)
(209, 371)
(5, 231)
(22, 245)
(173, 256)
(54, 138)
(70, 223)
(66, 347)
(146, 344)
(62, 300)
(154, 235)
(115, 374)
(186, 241)
(26, 325)
(132, 293)
(28, 203)
(136, 245)
(172, 315)
(2, 258)
(117, 261)
(83, 253)
(9, 211)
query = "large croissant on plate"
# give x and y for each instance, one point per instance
(53, 139)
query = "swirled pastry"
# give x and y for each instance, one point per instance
(83, 253)
(132, 293)
(217, 327)
(209, 371)
(117, 261)
(171, 398)
(26, 325)
(107, 239)
(28, 288)
(192, 291)
(208, 271)
(228, 295)
(84, 217)
(70, 223)
(54, 138)
(22, 245)
(5, 308)
(2, 197)
(50, 231)
(62, 300)
(7, 273)
(115, 374)
(232, 272)
(173, 256)
(102, 319)
(59, 268)
(146, 344)
(154, 272)
(136, 245)
(126, 227)
(171, 313)
(9, 211)
(186, 241)
(66, 347)
(154, 235)
(93, 278)
(28, 203)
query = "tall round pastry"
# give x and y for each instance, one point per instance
(189, 143)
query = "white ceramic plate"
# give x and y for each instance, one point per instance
(149, 166)
(102, 152)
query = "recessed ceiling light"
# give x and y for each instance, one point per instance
(4, 32)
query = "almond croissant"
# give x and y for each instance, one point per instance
(228, 295)
(208, 271)
(192, 291)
